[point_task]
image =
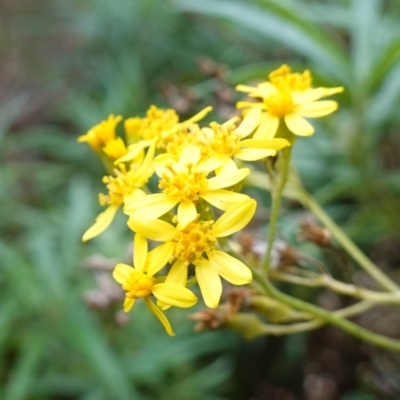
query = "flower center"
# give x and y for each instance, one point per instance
(279, 104)
(283, 79)
(157, 121)
(138, 285)
(193, 241)
(184, 185)
(123, 184)
(225, 141)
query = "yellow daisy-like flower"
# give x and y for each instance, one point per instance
(98, 136)
(287, 98)
(124, 185)
(160, 125)
(226, 141)
(197, 244)
(185, 182)
(139, 282)
(157, 120)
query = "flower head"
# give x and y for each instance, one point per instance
(185, 181)
(98, 136)
(138, 282)
(226, 141)
(125, 184)
(152, 126)
(197, 244)
(287, 98)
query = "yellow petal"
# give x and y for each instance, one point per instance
(316, 109)
(133, 196)
(121, 272)
(159, 314)
(133, 151)
(186, 213)
(174, 295)
(146, 167)
(158, 258)
(230, 268)
(139, 252)
(128, 304)
(103, 220)
(254, 154)
(298, 125)
(266, 89)
(235, 218)
(152, 206)
(160, 163)
(268, 127)
(208, 165)
(310, 95)
(226, 180)
(190, 155)
(245, 88)
(245, 104)
(275, 144)
(250, 122)
(178, 274)
(209, 282)
(223, 199)
(199, 116)
(228, 166)
(158, 230)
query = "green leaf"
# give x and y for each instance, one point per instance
(281, 24)
(365, 17)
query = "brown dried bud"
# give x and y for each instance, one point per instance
(208, 319)
(209, 67)
(312, 232)
(236, 297)
(285, 254)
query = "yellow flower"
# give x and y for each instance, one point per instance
(157, 120)
(124, 185)
(100, 134)
(227, 141)
(287, 98)
(197, 244)
(161, 125)
(139, 282)
(185, 182)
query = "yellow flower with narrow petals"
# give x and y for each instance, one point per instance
(124, 185)
(157, 121)
(139, 282)
(287, 98)
(98, 136)
(226, 141)
(160, 125)
(197, 244)
(185, 182)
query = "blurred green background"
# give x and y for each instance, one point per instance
(66, 65)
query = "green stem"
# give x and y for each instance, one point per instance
(279, 330)
(358, 256)
(338, 287)
(327, 316)
(276, 194)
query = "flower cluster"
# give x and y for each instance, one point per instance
(199, 169)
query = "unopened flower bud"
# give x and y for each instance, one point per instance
(246, 325)
(273, 310)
